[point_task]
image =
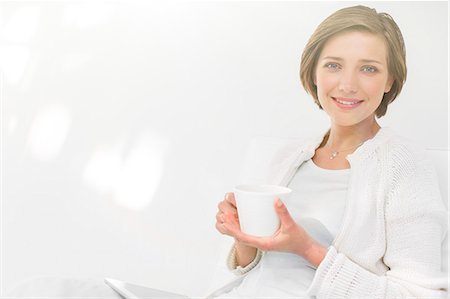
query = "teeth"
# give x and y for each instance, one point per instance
(345, 102)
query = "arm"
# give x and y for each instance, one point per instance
(242, 258)
(242, 268)
(244, 254)
(416, 224)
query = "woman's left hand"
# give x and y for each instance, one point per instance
(290, 237)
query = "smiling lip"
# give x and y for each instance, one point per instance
(347, 103)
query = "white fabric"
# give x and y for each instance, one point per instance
(389, 245)
(320, 194)
(317, 203)
(232, 261)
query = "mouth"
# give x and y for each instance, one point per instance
(347, 103)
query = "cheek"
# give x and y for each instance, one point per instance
(374, 89)
(326, 83)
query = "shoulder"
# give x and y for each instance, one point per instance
(410, 171)
(406, 154)
(394, 150)
(398, 159)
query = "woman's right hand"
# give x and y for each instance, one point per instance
(227, 222)
(227, 214)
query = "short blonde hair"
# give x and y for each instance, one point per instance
(358, 18)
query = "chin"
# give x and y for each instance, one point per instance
(353, 122)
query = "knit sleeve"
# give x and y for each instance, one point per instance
(416, 225)
(238, 270)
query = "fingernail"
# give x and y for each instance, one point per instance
(279, 203)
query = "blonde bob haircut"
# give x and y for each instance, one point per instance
(357, 18)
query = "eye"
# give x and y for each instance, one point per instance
(369, 69)
(332, 66)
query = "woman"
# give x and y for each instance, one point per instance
(365, 219)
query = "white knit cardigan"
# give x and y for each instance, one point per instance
(389, 244)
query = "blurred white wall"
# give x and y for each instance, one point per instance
(124, 123)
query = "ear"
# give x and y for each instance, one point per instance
(389, 84)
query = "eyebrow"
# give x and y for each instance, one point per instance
(361, 60)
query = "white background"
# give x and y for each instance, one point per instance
(124, 123)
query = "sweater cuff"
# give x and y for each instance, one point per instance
(339, 277)
(322, 271)
(238, 270)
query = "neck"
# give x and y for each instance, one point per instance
(342, 137)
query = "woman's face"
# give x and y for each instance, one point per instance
(352, 77)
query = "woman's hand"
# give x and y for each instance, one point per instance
(290, 237)
(228, 213)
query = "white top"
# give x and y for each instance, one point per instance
(320, 194)
(317, 203)
(390, 244)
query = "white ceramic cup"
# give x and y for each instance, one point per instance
(255, 205)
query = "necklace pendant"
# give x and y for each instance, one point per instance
(333, 155)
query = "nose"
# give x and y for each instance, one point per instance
(348, 83)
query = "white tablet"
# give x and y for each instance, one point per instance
(132, 291)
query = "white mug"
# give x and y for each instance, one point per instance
(255, 206)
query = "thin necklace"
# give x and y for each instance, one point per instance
(334, 154)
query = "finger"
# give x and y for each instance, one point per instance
(232, 226)
(225, 225)
(220, 227)
(283, 213)
(227, 208)
(219, 218)
(229, 197)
